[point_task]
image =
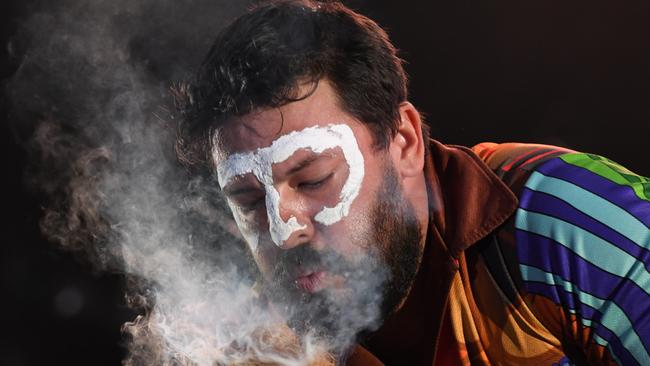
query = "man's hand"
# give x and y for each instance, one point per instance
(277, 345)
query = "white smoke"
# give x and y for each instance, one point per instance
(92, 77)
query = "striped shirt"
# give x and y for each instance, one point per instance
(583, 233)
(567, 280)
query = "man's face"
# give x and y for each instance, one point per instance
(321, 209)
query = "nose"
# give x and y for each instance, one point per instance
(296, 219)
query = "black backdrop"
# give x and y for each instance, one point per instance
(570, 73)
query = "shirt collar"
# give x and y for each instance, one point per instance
(466, 199)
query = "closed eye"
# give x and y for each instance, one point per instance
(252, 206)
(250, 202)
(315, 184)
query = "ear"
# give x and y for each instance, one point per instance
(407, 147)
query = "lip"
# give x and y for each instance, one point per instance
(310, 282)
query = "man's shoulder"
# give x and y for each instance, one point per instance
(582, 244)
(586, 204)
(572, 197)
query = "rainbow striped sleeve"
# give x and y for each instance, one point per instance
(583, 242)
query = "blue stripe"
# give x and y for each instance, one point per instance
(593, 205)
(613, 318)
(593, 249)
(620, 195)
(552, 257)
(585, 314)
(555, 207)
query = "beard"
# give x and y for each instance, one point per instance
(374, 283)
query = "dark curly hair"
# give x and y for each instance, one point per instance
(263, 58)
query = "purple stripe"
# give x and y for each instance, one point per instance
(555, 207)
(555, 258)
(620, 195)
(567, 300)
(560, 297)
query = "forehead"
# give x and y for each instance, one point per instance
(260, 129)
(315, 138)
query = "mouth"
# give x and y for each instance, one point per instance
(311, 281)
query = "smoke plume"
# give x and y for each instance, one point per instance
(87, 102)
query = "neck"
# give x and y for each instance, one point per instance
(409, 335)
(406, 336)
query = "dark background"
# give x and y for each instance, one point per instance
(574, 73)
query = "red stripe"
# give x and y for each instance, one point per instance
(516, 159)
(535, 158)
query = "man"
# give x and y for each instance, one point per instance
(367, 231)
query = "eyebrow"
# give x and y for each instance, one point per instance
(238, 186)
(305, 163)
(239, 190)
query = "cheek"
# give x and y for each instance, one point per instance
(251, 227)
(353, 235)
(248, 226)
(265, 257)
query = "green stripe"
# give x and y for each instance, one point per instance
(590, 247)
(594, 206)
(611, 171)
(613, 317)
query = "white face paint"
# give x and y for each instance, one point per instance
(260, 163)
